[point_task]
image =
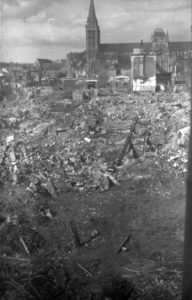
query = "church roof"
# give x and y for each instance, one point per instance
(180, 46)
(92, 15)
(44, 60)
(128, 47)
(123, 47)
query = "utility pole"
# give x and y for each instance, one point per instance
(187, 266)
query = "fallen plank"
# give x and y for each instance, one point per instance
(90, 238)
(84, 269)
(125, 241)
(75, 234)
(19, 259)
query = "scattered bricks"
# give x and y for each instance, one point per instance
(12, 157)
(183, 136)
(2, 153)
(104, 183)
(56, 137)
(12, 121)
(88, 140)
(49, 187)
(101, 144)
(15, 172)
(10, 139)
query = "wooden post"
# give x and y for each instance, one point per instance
(127, 142)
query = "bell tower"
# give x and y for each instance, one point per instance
(92, 33)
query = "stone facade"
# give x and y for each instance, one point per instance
(92, 33)
(168, 53)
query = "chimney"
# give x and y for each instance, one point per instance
(141, 47)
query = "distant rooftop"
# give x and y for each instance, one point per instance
(44, 60)
(180, 46)
(147, 47)
(123, 47)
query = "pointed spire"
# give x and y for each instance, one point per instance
(92, 15)
(167, 35)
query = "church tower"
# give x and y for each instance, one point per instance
(92, 33)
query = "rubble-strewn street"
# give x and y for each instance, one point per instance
(47, 140)
(72, 191)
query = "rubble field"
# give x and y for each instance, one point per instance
(93, 195)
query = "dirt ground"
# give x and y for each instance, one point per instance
(122, 243)
(150, 212)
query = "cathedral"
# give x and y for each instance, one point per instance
(166, 51)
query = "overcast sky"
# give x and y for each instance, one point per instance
(52, 28)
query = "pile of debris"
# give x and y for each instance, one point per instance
(48, 141)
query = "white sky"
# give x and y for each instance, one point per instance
(52, 28)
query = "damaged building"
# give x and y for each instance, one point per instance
(143, 71)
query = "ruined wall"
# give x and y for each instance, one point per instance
(143, 72)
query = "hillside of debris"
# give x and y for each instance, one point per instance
(92, 194)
